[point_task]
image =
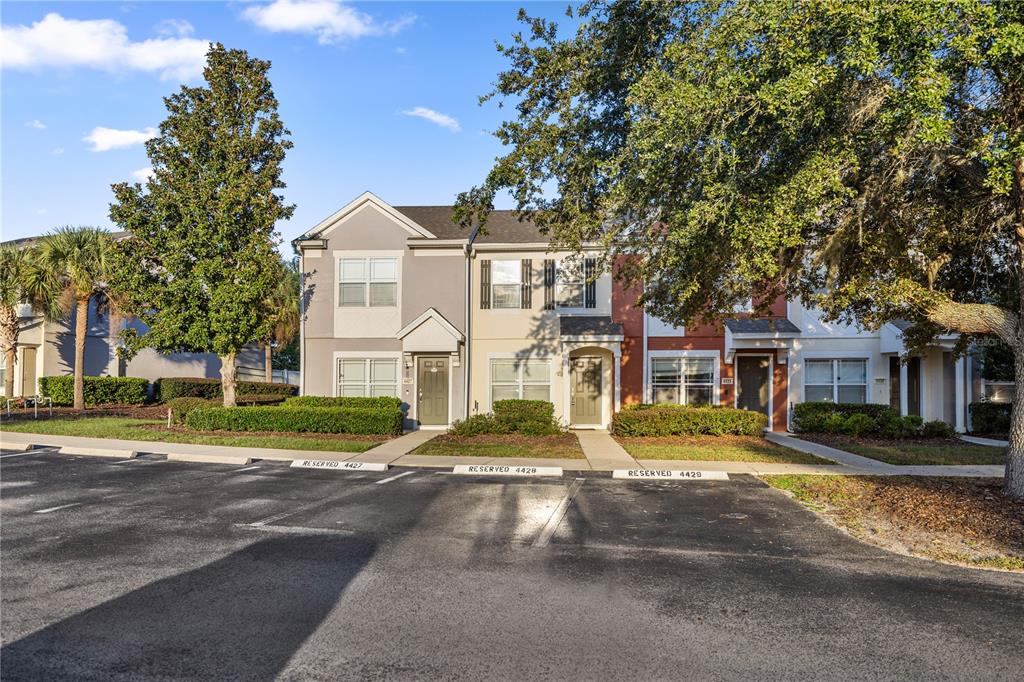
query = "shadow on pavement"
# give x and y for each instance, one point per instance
(242, 616)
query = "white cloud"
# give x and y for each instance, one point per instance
(57, 151)
(35, 123)
(175, 28)
(443, 120)
(143, 174)
(329, 20)
(104, 139)
(98, 44)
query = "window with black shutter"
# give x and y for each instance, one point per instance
(485, 284)
(527, 284)
(549, 284)
(589, 265)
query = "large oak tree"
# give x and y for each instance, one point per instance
(866, 155)
(200, 262)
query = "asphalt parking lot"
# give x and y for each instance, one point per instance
(157, 570)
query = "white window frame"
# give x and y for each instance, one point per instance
(579, 281)
(518, 284)
(368, 357)
(835, 360)
(713, 355)
(518, 383)
(368, 279)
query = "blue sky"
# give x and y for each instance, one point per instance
(378, 96)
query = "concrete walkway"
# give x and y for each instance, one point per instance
(825, 452)
(991, 442)
(603, 452)
(388, 452)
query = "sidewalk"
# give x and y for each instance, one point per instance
(600, 449)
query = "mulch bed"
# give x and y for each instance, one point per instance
(130, 411)
(838, 440)
(184, 430)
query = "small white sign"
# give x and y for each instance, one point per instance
(670, 475)
(337, 465)
(727, 381)
(499, 470)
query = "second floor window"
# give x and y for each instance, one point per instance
(569, 286)
(506, 283)
(369, 282)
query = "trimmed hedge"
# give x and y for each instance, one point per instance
(377, 403)
(296, 419)
(526, 417)
(677, 420)
(989, 417)
(168, 388)
(98, 390)
(516, 410)
(180, 407)
(865, 419)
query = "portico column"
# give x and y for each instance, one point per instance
(904, 398)
(566, 407)
(958, 379)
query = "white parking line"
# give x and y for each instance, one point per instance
(391, 478)
(20, 454)
(245, 469)
(53, 509)
(556, 516)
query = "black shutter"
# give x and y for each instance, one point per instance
(485, 284)
(591, 286)
(527, 284)
(549, 284)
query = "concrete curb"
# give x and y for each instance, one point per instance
(209, 459)
(98, 452)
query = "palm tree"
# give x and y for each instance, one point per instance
(23, 280)
(284, 311)
(79, 256)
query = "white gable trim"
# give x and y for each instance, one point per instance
(338, 218)
(428, 314)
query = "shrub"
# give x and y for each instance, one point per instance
(199, 387)
(478, 425)
(524, 410)
(810, 417)
(835, 423)
(860, 424)
(258, 399)
(98, 390)
(297, 419)
(988, 417)
(937, 429)
(688, 421)
(180, 407)
(382, 402)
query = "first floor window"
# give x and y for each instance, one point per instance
(506, 283)
(831, 381)
(369, 282)
(512, 378)
(683, 381)
(367, 377)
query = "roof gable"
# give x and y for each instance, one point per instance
(366, 199)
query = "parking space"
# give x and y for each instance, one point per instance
(151, 569)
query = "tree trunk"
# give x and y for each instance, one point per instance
(228, 379)
(81, 326)
(12, 357)
(9, 327)
(1013, 483)
(268, 364)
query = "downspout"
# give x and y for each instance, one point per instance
(469, 318)
(302, 323)
(643, 358)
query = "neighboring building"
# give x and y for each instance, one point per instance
(47, 348)
(398, 300)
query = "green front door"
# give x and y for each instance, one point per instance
(585, 391)
(432, 388)
(753, 383)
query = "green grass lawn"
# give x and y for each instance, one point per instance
(512, 445)
(715, 449)
(149, 430)
(910, 452)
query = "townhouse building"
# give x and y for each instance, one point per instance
(399, 300)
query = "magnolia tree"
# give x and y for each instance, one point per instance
(199, 266)
(865, 156)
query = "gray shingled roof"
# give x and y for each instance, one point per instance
(502, 226)
(589, 326)
(749, 325)
(902, 325)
